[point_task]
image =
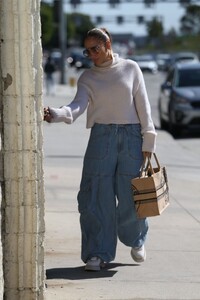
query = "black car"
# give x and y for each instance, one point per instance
(179, 99)
(79, 61)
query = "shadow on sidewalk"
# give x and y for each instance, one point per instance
(80, 273)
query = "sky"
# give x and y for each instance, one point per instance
(168, 13)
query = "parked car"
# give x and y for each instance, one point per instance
(179, 99)
(79, 61)
(56, 58)
(146, 63)
(163, 60)
(183, 57)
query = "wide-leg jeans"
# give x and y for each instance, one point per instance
(113, 157)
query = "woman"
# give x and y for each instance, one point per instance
(122, 134)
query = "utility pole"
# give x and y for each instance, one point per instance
(21, 160)
(62, 41)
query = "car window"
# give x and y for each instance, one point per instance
(188, 78)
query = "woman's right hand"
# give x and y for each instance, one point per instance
(47, 115)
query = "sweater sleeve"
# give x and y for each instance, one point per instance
(144, 113)
(69, 113)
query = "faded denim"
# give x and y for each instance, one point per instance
(113, 156)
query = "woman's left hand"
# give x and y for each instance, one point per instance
(147, 154)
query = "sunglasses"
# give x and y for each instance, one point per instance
(92, 50)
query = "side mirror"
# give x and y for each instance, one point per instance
(166, 85)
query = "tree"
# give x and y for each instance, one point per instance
(190, 22)
(155, 32)
(154, 28)
(77, 26)
(47, 21)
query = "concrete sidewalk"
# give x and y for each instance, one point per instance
(172, 268)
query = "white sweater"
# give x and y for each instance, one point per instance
(113, 93)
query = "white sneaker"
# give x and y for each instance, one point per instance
(138, 254)
(94, 264)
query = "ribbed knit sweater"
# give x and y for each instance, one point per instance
(113, 93)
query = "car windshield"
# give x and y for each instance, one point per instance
(189, 77)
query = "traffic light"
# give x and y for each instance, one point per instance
(74, 3)
(120, 19)
(113, 3)
(185, 2)
(99, 19)
(140, 19)
(149, 3)
(56, 11)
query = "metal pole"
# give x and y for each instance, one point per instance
(62, 41)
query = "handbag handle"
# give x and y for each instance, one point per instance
(150, 164)
(147, 168)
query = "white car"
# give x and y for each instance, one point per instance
(184, 57)
(146, 63)
(163, 60)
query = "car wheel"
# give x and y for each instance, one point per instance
(163, 123)
(174, 129)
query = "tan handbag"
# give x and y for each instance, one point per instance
(150, 190)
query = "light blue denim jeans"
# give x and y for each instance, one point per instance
(113, 156)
